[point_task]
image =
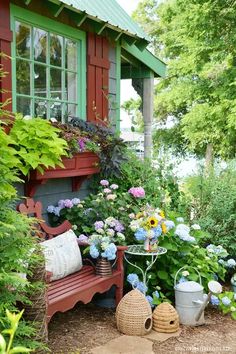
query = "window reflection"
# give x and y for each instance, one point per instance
(22, 40)
(23, 77)
(71, 55)
(55, 50)
(40, 45)
(40, 109)
(56, 111)
(40, 81)
(56, 83)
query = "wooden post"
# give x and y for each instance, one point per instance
(5, 47)
(148, 86)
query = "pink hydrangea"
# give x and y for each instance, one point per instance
(104, 182)
(137, 192)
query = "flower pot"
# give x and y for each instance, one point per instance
(148, 246)
(103, 267)
(78, 167)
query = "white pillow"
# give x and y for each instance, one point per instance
(62, 255)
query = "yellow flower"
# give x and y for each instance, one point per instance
(162, 214)
(139, 215)
(152, 221)
(164, 228)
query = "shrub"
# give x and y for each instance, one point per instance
(213, 200)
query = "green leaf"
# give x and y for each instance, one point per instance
(20, 350)
(162, 274)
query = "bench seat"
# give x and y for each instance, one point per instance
(63, 294)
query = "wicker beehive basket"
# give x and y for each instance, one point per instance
(134, 314)
(165, 318)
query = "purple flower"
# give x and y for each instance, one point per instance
(68, 203)
(61, 203)
(82, 238)
(119, 227)
(150, 300)
(98, 225)
(75, 201)
(104, 182)
(137, 192)
(114, 186)
(82, 143)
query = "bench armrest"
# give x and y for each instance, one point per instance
(120, 257)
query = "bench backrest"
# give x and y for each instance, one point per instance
(32, 208)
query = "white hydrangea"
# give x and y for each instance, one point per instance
(196, 227)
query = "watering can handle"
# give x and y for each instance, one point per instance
(187, 266)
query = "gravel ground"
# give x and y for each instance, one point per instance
(88, 326)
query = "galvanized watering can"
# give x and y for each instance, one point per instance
(190, 301)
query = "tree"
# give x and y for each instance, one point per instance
(197, 39)
(132, 107)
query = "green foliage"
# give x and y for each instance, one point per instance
(37, 144)
(158, 181)
(16, 244)
(132, 107)
(228, 308)
(7, 348)
(199, 90)
(213, 200)
(113, 150)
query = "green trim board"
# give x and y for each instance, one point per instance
(147, 58)
(130, 72)
(118, 78)
(33, 19)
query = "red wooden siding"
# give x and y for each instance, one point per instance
(5, 47)
(97, 78)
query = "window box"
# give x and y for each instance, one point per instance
(79, 168)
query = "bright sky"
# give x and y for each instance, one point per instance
(128, 5)
(127, 90)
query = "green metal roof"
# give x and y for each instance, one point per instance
(147, 58)
(108, 11)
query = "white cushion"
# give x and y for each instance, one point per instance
(62, 255)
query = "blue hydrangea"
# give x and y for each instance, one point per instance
(182, 280)
(140, 234)
(94, 253)
(110, 252)
(57, 211)
(157, 231)
(141, 287)
(75, 201)
(226, 301)
(133, 279)
(51, 209)
(231, 263)
(156, 294)
(214, 300)
(150, 300)
(169, 224)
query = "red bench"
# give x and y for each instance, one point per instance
(64, 293)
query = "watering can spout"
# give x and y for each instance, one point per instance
(214, 288)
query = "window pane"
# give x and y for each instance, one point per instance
(71, 87)
(56, 110)
(55, 50)
(40, 83)
(22, 40)
(22, 77)
(56, 83)
(23, 105)
(70, 111)
(71, 55)
(40, 109)
(40, 45)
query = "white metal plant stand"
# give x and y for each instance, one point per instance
(138, 250)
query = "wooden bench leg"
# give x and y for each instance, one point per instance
(119, 294)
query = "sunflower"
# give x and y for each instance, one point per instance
(152, 221)
(164, 228)
(162, 214)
